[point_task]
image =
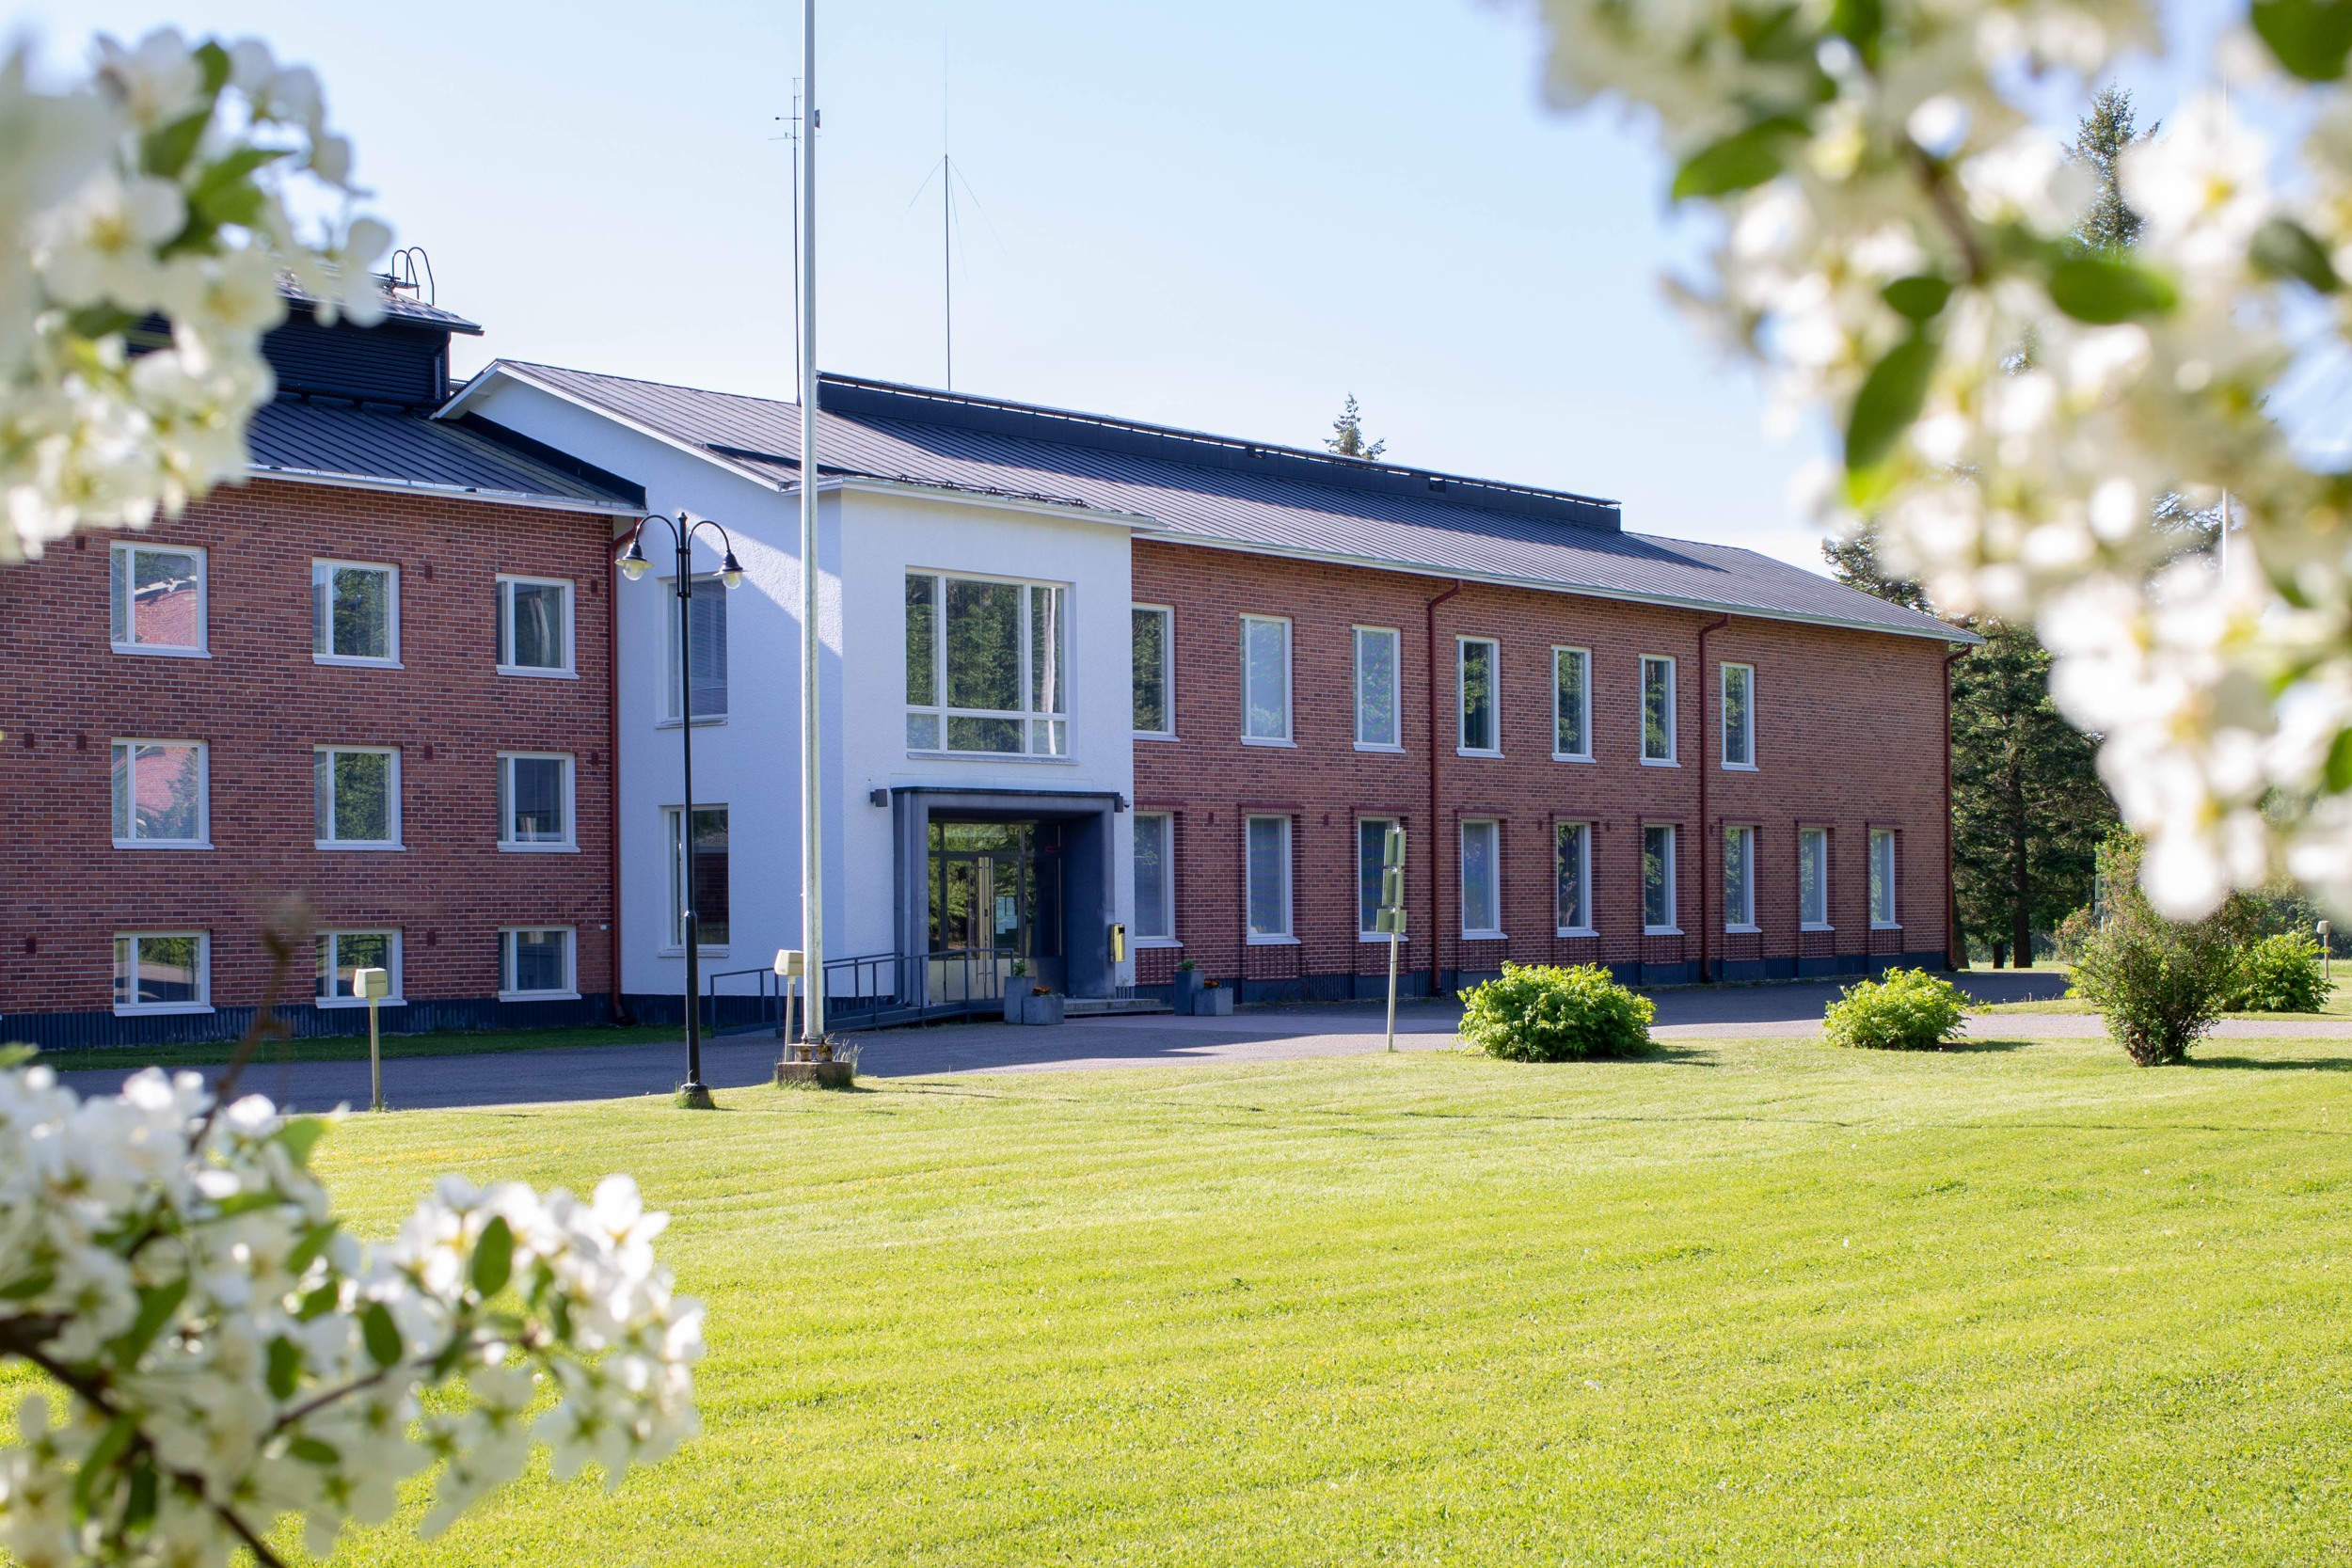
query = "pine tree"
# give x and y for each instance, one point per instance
(1347, 434)
(2100, 141)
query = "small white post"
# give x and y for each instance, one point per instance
(789, 966)
(1392, 910)
(372, 985)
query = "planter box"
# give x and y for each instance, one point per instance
(823, 1075)
(1213, 1002)
(1014, 1000)
(1042, 1009)
(1187, 986)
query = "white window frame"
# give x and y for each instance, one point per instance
(130, 550)
(204, 839)
(507, 841)
(203, 1003)
(1584, 696)
(1585, 878)
(1641, 712)
(1806, 837)
(1396, 688)
(399, 997)
(391, 785)
(321, 566)
(1891, 874)
(680, 853)
(1461, 696)
(1722, 717)
(1167, 820)
(1168, 669)
(569, 669)
(506, 965)
(1461, 877)
(1029, 716)
(1363, 932)
(1674, 884)
(672, 699)
(1743, 835)
(1290, 723)
(1288, 934)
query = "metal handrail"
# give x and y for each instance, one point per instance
(873, 984)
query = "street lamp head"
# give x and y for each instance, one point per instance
(731, 571)
(633, 564)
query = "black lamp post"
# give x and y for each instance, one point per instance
(693, 1095)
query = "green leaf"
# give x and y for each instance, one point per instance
(319, 1302)
(381, 1333)
(216, 64)
(1890, 401)
(140, 1512)
(2310, 37)
(313, 1244)
(99, 1462)
(1921, 298)
(300, 1134)
(16, 1054)
(1739, 162)
(1859, 23)
(285, 1367)
(494, 1256)
(27, 1288)
(2339, 771)
(165, 149)
(245, 1203)
(2103, 292)
(2284, 249)
(311, 1451)
(157, 1303)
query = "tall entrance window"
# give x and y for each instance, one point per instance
(987, 666)
(996, 888)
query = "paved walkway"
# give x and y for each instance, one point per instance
(1286, 1033)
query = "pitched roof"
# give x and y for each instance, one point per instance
(1219, 491)
(339, 442)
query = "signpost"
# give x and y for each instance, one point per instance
(373, 985)
(1391, 916)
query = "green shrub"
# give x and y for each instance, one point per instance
(2159, 983)
(1542, 1013)
(2278, 975)
(1908, 1010)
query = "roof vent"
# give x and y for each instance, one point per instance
(1436, 484)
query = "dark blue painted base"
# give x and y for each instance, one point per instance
(467, 1014)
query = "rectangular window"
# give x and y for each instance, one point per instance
(1155, 677)
(535, 964)
(1739, 716)
(156, 594)
(1482, 880)
(1574, 911)
(1477, 657)
(1658, 709)
(1882, 878)
(987, 666)
(1156, 876)
(162, 972)
(1269, 877)
(159, 794)
(1813, 878)
(535, 627)
(354, 613)
(1376, 707)
(1371, 851)
(534, 801)
(1572, 705)
(1657, 882)
(343, 954)
(705, 651)
(1739, 879)
(356, 795)
(1265, 674)
(709, 870)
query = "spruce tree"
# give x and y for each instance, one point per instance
(1347, 434)
(2100, 141)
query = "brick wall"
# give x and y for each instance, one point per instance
(1848, 736)
(262, 704)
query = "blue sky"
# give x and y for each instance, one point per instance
(1212, 213)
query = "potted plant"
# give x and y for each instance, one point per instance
(1187, 985)
(1215, 999)
(1017, 993)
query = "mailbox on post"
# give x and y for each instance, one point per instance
(790, 966)
(373, 986)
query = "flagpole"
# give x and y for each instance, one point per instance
(812, 642)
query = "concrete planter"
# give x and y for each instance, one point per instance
(1213, 1002)
(1016, 998)
(823, 1075)
(1042, 1009)
(1187, 986)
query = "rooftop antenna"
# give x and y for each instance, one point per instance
(950, 176)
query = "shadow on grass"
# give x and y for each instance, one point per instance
(1965, 1046)
(2282, 1063)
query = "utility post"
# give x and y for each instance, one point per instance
(373, 986)
(1391, 916)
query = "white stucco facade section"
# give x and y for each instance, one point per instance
(889, 533)
(750, 760)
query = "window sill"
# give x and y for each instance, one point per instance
(1886, 924)
(162, 844)
(538, 996)
(1268, 740)
(1571, 756)
(1470, 752)
(705, 952)
(1660, 762)
(1257, 941)
(349, 663)
(1141, 943)
(1739, 767)
(144, 651)
(703, 723)
(1155, 735)
(1749, 930)
(1484, 936)
(1378, 746)
(358, 1002)
(989, 756)
(163, 1010)
(539, 848)
(353, 844)
(1661, 931)
(1815, 926)
(1380, 937)
(532, 673)
(1575, 931)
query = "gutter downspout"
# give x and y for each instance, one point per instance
(1955, 950)
(1435, 903)
(612, 771)
(1706, 928)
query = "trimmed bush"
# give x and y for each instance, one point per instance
(2278, 975)
(2160, 984)
(1544, 1013)
(1908, 1010)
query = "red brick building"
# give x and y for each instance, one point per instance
(376, 675)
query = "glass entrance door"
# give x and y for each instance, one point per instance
(996, 890)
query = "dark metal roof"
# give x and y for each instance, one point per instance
(1211, 490)
(399, 304)
(340, 441)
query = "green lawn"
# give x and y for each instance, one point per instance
(2337, 1006)
(1746, 1303)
